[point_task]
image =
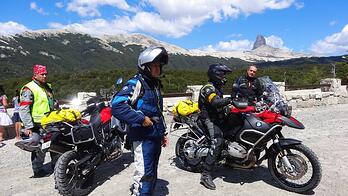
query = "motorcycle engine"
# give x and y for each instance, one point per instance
(236, 150)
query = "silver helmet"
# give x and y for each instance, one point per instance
(152, 55)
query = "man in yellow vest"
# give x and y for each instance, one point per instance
(36, 99)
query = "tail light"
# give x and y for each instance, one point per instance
(47, 137)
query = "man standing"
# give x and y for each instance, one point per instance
(247, 86)
(36, 99)
(139, 103)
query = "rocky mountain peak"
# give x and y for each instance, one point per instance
(260, 41)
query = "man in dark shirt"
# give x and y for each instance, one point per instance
(247, 86)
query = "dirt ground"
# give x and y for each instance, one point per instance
(326, 134)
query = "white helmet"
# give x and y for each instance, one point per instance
(151, 55)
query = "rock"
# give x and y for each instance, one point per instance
(306, 104)
(260, 41)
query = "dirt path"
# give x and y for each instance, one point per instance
(326, 134)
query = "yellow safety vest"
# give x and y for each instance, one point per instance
(41, 104)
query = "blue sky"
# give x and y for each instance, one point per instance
(311, 26)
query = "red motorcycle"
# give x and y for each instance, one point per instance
(253, 134)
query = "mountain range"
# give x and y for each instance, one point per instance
(67, 51)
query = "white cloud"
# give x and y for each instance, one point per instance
(333, 23)
(96, 27)
(299, 5)
(334, 44)
(275, 42)
(11, 28)
(141, 22)
(34, 6)
(244, 45)
(232, 45)
(235, 35)
(90, 8)
(59, 4)
(172, 18)
(215, 9)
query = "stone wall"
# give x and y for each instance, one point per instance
(333, 94)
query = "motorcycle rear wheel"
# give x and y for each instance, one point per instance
(69, 179)
(307, 169)
(182, 160)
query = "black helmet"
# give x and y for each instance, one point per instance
(217, 73)
(152, 55)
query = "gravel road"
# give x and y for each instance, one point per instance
(326, 134)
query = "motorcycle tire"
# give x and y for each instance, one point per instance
(182, 161)
(68, 180)
(304, 162)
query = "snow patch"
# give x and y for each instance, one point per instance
(8, 48)
(3, 41)
(65, 42)
(49, 55)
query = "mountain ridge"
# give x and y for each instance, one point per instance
(70, 51)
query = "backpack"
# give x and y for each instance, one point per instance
(185, 108)
(63, 115)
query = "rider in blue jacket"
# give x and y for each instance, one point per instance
(140, 104)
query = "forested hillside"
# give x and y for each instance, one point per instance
(66, 85)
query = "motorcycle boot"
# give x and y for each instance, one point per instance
(207, 180)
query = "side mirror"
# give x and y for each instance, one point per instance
(118, 81)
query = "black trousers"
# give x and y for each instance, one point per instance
(216, 136)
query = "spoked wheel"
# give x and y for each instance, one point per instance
(184, 146)
(304, 173)
(69, 177)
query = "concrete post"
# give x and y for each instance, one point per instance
(335, 84)
(194, 89)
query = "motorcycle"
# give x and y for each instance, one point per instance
(253, 134)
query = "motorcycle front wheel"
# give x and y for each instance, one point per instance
(305, 172)
(69, 178)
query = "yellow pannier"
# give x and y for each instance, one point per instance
(66, 115)
(185, 108)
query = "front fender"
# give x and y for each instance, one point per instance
(288, 141)
(284, 142)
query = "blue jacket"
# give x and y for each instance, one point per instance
(139, 98)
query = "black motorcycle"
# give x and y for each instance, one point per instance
(247, 134)
(84, 146)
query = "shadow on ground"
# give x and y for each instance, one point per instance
(107, 170)
(242, 176)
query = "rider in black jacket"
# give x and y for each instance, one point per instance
(248, 87)
(213, 107)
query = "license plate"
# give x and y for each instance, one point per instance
(46, 145)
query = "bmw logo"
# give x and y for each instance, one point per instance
(258, 124)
